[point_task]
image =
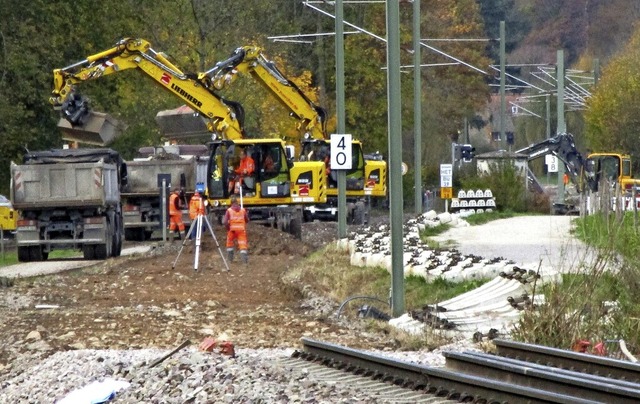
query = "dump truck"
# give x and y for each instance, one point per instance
(142, 199)
(68, 199)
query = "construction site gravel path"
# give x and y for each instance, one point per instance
(537, 240)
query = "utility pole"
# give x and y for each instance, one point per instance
(340, 115)
(395, 156)
(503, 137)
(562, 127)
(417, 109)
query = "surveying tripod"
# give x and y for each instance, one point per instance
(197, 225)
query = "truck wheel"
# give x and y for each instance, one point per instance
(100, 252)
(88, 252)
(358, 213)
(23, 254)
(295, 228)
(35, 253)
(116, 249)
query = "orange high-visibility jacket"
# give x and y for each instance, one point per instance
(174, 204)
(246, 167)
(236, 219)
(196, 206)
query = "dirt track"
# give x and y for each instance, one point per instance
(546, 240)
(140, 301)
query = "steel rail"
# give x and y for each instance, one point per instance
(576, 361)
(438, 381)
(523, 373)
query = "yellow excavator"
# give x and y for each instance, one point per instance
(588, 175)
(276, 196)
(368, 176)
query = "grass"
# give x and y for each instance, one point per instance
(598, 300)
(329, 272)
(10, 256)
(610, 233)
(434, 231)
(485, 217)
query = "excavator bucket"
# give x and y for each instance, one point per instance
(181, 122)
(97, 128)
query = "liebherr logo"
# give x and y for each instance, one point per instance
(186, 95)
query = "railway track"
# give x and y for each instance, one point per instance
(552, 375)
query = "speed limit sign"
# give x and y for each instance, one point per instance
(341, 152)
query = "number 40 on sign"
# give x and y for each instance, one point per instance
(341, 152)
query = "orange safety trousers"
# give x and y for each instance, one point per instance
(176, 223)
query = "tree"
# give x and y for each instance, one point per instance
(612, 118)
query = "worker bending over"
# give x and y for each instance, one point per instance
(235, 221)
(176, 225)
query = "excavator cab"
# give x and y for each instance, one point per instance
(612, 168)
(271, 178)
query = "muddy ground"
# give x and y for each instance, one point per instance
(141, 301)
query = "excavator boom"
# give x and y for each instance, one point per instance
(312, 119)
(563, 146)
(220, 117)
(366, 178)
(609, 167)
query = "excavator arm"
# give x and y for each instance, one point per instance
(563, 146)
(223, 118)
(366, 178)
(312, 119)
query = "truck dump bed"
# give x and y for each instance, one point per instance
(67, 178)
(143, 174)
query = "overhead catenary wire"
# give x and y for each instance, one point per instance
(378, 37)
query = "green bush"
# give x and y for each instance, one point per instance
(508, 188)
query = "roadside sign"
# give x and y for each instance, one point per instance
(341, 155)
(446, 175)
(446, 193)
(552, 163)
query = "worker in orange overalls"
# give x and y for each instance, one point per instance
(175, 213)
(235, 221)
(196, 207)
(246, 168)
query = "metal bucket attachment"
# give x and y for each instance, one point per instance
(99, 129)
(181, 122)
